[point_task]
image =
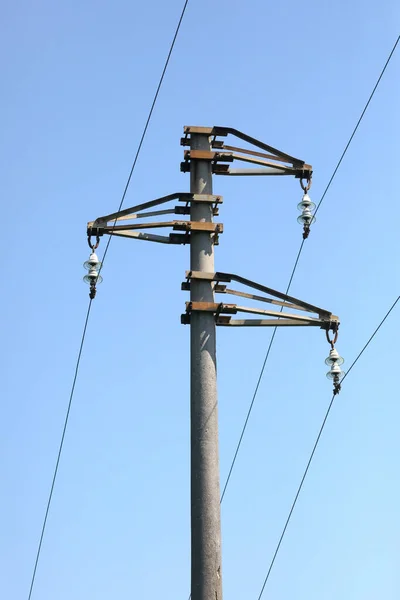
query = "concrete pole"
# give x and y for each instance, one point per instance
(205, 492)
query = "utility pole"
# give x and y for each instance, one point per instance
(205, 485)
(208, 156)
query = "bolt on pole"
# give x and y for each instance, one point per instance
(205, 487)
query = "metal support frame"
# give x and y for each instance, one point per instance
(206, 156)
(107, 224)
(325, 319)
(294, 166)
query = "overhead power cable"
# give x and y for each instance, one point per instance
(148, 118)
(295, 267)
(60, 447)
(90, 302)
(315, 447)
(358, 123)
(258, 383)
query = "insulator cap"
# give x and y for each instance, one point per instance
(306, 217)
(335, 373)
(334, 358)
(92, 262)
(306, 203)
(93, 277)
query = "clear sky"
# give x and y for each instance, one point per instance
(77, 82)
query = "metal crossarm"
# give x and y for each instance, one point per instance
(294, 166)
(254, 142)
(102, 221)
(107, 224)
(324, 320)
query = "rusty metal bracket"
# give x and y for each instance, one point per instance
(194, 129)
(281, 322)
(197, 226)
(176, 226)
(206, 155)
(204, 198)
(323, 318)
(110, 224)
(271, 160)
(213, 307)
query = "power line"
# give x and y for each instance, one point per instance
(358, 123)
(60, 448)
(295, 267)
(90, 302)
(258, 382)
(315, 447)
(148, 119)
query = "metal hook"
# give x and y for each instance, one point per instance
(93, 247)
(335, 337)
(306, 187)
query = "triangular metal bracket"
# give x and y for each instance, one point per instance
(323, 318)
(108, 223)
(273, 161)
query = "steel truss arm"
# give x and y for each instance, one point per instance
(297, 167)
(107, 224)
(254, 142)
(227, 321)
(325, 319)
(127, 213)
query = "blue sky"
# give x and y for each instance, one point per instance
(78, 79)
